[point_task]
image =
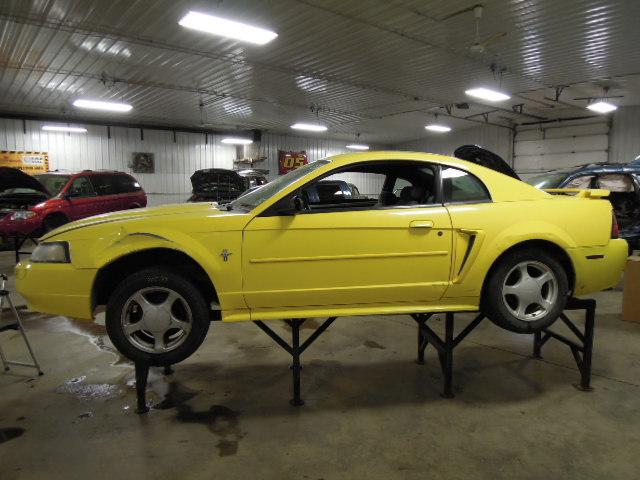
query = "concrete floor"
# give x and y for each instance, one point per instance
(371, 412)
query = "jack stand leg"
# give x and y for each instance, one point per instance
(537, 347)
(167, 370)
(585, 370)
(296, 401)
(3, 360)
(142, 375)
(17, 245)
(446, 359)
(422, 344)
(24, 336)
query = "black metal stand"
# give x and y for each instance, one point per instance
(582, 351)
(444, 347)
(295, 349)
(18, 242)
(142, 376)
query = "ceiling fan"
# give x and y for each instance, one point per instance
(481, 46)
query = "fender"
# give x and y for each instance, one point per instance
(224, 275)
(489, 248)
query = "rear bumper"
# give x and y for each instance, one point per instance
(57, 289)
(599, 268)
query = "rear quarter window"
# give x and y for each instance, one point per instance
(462, 187)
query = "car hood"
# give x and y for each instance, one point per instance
(140, 214)
(204, 181)
(485, 158)
(14, 178)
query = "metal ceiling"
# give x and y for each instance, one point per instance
(381, 68)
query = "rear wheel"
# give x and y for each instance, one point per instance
(526, 291)
(157, 317)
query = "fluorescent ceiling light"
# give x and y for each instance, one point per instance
(99, 105)
(311, 127)
(602, 107)
(226, 28)
(434, 127)
(237, 141)
(487, 94)
(59, 128)
(356, 146)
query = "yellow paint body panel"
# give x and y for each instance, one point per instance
(384, 261)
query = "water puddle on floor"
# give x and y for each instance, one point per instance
(10, 433)
(94, 332)
(79, 388)
(220, 420)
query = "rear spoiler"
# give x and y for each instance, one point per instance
(579, 192)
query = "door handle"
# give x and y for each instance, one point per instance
(421, 224)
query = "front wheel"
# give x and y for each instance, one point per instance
(157, 317)
(526, 292)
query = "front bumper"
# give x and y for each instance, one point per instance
(599, 268)
(12, 228)
(55, 288)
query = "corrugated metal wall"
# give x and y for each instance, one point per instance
(496, 139)
(174, 161)
(625, 135)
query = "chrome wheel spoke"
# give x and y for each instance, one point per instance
(159, 343)
(140, 299)
(180, 324)
(544, 278)
(170, 300)
(132, 328)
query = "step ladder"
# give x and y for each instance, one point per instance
(14, 323)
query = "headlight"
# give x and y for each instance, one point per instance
(51, 252)
(22, 215)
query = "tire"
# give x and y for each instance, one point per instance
(53, 221)
(157, 317)
(530, 305)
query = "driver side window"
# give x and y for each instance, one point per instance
(372, 185)
(81, 187)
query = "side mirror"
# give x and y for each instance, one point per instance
(291, 205)
(70, 194)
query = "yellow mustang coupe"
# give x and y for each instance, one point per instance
(355, 234)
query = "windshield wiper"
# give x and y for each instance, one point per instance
(225, 206)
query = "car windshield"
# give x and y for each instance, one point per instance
(255, 197)
(53, 183)
(547, 180)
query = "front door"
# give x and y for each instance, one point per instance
(82, 199)
(391, 244)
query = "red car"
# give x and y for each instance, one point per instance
(32, 205)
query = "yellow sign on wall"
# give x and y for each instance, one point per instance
(28, 162)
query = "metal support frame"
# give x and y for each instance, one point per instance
(445, 346)
(295, 349)
(18, 242)
(14, 324)
(582, 349)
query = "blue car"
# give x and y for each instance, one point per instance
(622, 180)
